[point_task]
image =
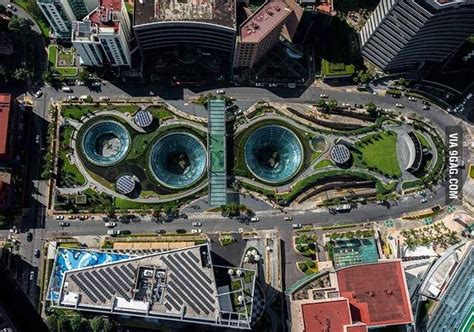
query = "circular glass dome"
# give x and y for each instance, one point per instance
(178, 160)
(106, 143)
(273, 153)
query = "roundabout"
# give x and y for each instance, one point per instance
(178, 160)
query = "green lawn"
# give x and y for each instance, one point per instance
(52, 54)
(379, 153)
(69, 174)
(471, 171)
(76, 112)
(128, 108)
(333, 70)
(31, 7)
(160, 112)
(66, 71)
(323, 163)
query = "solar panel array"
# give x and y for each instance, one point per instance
(188, 285)
(125, 184)
(143, 118)
(340, 154)
(101, 285)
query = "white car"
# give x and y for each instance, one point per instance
(323, 95)
(38, 93)
(196, 230)
(66, 89)
(426, 108)
(59, 217)
(80, 83)
(110, 224)
(104, 98)
(399, 105)
(72, 98)
(288, 218)
(37, 139)
(220, 92)
(297, 226)
(197, 224)
(255, 219)
(96, 84)
(423, 200)
(412, 99)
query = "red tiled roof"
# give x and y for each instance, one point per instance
(100, 15)
(358, 327)
(330, 316)
(377, 293)
(5, 108)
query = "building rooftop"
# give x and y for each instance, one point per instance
(105, 16)
(5, 109)
(220, 12)
(177, 285)
(330, 315)
(264, 21)
(5, 190)
(372, 288)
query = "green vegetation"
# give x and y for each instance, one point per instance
(360, 234)
(395, 92)
(160, 112)
(308, 266)
(336, 70)
(306, 244)
(324, 163)
(423, 141)
(437, 234)
(226, 239)
(471, 171)
(233, 209)
(62, 61)
(76, 112)
(369, 154)
(32, 8)
(68, 320)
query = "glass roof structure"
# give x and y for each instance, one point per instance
(106, 143)
(217, 153)
(177, 160)
(273, 153)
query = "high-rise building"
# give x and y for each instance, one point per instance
(103, 36)
(403, 35)
(60, 13)
(261, 31)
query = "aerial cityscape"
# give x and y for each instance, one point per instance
(224, 165)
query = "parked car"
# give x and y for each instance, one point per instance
(197, 224)
(71, 217)
(64, 224)
(196, 230)
(80, 83)
(37, 253)
(37, 139)
(220, 91)
(103, 98)
(96, 84)
(113, 232)
(72, 97)
(29, 236)
(323, 95)
(412, 99)
(110, 224)
(297, 226)
(255, 219)
(66, 89)
(37, 92)
(423, 200)
(358, 106)
(32, 275)
(59, 217)
(288, 218)
(13, 9)
(426, 108)
(160, 231)
(180, 231)
(399, 105)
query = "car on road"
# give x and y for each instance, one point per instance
(72, 97)
(255, 219)
(37, 139)
(160, 231)
(96, 84)
(399, 105)
(80, 83)
(423, 200)
(323, 95)
(110, 224)
(71, 217)
(29, 236)
(297, 226)
(345, 105)
(113, 232)
(103, 98)
(358, 106)
(13, 9)
(196, 230)
(426, 108)
(32, 275)
(220, 91)
(37, 92)
(66, 89)
(59, 217)
(425, 102)
(197, 224)
(272, 85)
(180, 231)
(37, 253)
(64, 224)
(288, 218)
(412, 99)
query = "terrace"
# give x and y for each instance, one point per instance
(220, 12)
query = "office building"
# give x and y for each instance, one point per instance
(404, 35)
(259, 33)
(103, 36)
(60, 14)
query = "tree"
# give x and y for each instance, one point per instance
(321, 103)
(97, 324)
(20, 25)
(63, 324)
(84, 75)
(3, 9)
(22, 74)
(88, 99)
(108, 325)
(402, 82)
(52, 323)
(111, 212)
(76, 323)
(332, 104)
(371, 109)
(380, 197)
